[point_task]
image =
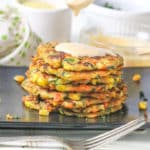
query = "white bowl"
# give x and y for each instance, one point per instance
(49, 25)
(127, 20)
(123, 8)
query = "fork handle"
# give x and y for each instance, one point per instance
(34, 142)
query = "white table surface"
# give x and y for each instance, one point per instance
(139, 140)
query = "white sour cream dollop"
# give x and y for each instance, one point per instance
(78, 49)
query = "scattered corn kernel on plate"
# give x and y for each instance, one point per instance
(13, 114)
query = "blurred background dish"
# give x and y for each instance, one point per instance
(11, 30)
(48, 19)
(17, 42)
(120, 25)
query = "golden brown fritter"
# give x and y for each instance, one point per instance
(94, 77)
(37, 76)
(83, 88)
(37, 103)
(32, 102)
(36, 90)
(75, 86)
(91, 105)
(62, 60)
(91, 115)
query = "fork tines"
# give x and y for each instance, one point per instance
(114, 134)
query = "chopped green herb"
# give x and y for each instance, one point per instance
(16, 117)
(142, 96)
(110, 67)
(65, 74)
(145, 99)
(71, 60)
(97, 77)
(58, 81)
(108, 5)
(88, 65)
(61, 111)
(39, 99)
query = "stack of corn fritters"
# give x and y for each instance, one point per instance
(75, 86)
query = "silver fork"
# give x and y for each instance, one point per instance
(89, 144)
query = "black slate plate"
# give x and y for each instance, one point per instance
(10, 102)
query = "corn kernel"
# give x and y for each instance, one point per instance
(27, 103)
(42, 82)
(80, 104)
(99, 65)
(111, 80)
(94, 81)
(35, 77)
(55, 103)
(19, 78)
(74, 96)
(110, 86)
(61, 88)
(67, 66)
(43, 112)
(136, 77)
(142, 105)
